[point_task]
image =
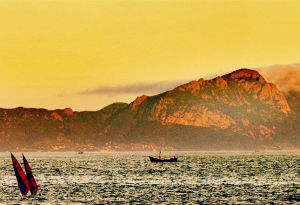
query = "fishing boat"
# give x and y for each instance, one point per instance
(172, 159)
(25, 182)
(159, 159)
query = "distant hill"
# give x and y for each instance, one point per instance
(237, 111)
(49, 130)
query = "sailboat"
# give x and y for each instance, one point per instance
(25, 182)
(30, 177)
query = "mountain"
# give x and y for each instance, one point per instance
(49, 130)
(237, 111)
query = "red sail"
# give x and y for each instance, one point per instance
(23, 182)
(30, 177)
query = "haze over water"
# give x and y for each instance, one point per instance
(127, 177)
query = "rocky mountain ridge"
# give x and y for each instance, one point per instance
(241, 103)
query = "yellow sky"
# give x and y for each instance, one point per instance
(53, 50)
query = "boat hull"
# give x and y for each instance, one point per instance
(153, 159)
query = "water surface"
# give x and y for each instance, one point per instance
(129, 177)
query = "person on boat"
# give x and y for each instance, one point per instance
(159, 156)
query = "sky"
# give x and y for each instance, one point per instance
(86, 54)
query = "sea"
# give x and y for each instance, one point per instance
(268, 177)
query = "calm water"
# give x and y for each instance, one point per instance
(202, 177)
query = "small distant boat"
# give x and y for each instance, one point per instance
(172, 159)
(25, 182)
(159, 159)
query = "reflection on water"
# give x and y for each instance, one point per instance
(201, 177)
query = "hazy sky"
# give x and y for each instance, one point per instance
(86, 54)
